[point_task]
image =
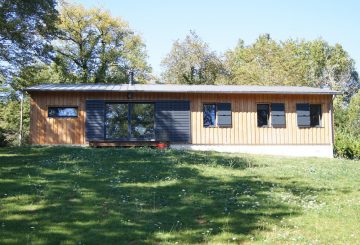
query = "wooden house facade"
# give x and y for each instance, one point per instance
(255, 119)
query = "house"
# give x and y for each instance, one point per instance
(279, 120)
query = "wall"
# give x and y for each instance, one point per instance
(44, 130)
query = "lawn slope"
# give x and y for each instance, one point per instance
(145, 196)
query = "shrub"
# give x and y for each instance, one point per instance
(347, 145)
(3, 141)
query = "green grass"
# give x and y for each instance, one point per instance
(63, 195)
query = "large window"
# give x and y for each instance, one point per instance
(129, 121)
(142, 121)
(263, 113)
(116, 122)
(62, 111)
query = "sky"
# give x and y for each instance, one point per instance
(221, 23)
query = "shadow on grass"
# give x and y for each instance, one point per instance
(131, 196)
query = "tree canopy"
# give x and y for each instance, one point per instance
(192, 62)
(292, 62)
(26, 29)
(94, 47)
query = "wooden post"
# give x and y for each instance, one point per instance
(21, 118)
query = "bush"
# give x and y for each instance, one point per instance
(3, 141)
(347, 145)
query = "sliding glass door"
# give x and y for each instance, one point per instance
(130, 121)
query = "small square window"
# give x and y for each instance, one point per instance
(263, 113)
(62, 112)
(209, 115)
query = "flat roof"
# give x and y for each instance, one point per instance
(177, 88)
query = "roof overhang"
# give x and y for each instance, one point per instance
(173, 88)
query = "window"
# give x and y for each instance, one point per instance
(315, 115)
(308, 115)
(142, 121)
(263, 113)
(217, 115)
(278, 115)
(62, 111)
(224, 118)
(209, 115)
(130, 121)
(116, 121)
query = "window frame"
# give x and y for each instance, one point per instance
(128, 119)
(320, 119)
(216, 125)
(320, 116)
(62, 107)
(269, 115)
(283, 126)
(270, 125)
(215, 121)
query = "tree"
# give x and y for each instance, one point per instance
(26, 28)
(292, 62)
(354, 115)
(191, 62)
(95, 47)
(9, 119)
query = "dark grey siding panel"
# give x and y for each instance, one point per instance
(172, 121)
(224, 114)
(303, 115)
(95, 110)
(278, 115)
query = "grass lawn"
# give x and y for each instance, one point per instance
(63, 195)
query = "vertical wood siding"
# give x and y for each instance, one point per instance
(244, 130)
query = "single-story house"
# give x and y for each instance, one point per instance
(279, 120)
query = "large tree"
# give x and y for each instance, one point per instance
(94, 47)
(192, 62)
(26, 28)
(292, 62)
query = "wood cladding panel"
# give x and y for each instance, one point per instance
(244, 130)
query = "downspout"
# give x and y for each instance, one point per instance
(21, 117)
(131, 82)
(332, 121)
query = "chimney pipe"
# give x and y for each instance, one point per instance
(131, 78)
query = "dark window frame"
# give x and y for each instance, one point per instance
(215, 119)
(311, 125)
(216, 123)
(273, 117)
(63, 107)
(268, 125)
(269, 118)
(319, 125)
(129, 110)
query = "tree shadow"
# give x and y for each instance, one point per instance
(132, 196)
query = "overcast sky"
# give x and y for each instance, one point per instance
(223, 23)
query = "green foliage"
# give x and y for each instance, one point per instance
(292, 62)
(191, 62)
(26, 28)
(10, 120)
(347, 145)
(347, 128)
(3, 140)
(94, 47)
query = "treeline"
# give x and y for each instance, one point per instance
(41, 42)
